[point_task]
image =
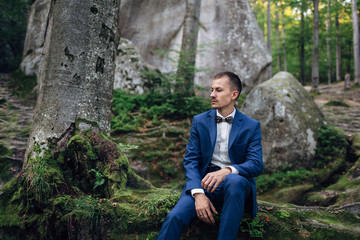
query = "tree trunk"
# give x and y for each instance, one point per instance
(277, 38)
(186, 65)
(347, 81)
(338, 47)
(253, 7)
(269, 69)
(328, 38)
(302, 44)
(284, 41)
(315, 57)
(356, 43)
(77, 72)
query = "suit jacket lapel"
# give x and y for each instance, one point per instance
(235, 127)
(212, 128)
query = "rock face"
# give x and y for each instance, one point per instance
(229, 36)
(228, 39)
(290, 120)
(35, 36)
(129, 65)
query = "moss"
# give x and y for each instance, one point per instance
(337, 103)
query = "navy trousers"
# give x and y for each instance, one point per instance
(231, 195)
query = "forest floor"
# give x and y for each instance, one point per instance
(331, 102)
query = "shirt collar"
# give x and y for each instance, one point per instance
(230, 115)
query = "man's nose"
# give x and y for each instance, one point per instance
(212, 94)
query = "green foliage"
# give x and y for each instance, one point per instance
(12, 31)
(331, 143)
(22, 85)
(338, 103)
(256, 226)
(100, 180)
(279, 179)
(131, 112)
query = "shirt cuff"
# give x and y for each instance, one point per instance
(233, 170)
(196, 190)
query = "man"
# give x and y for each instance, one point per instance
(222, 157)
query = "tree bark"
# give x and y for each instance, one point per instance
(302, 44)
(315, 57)
(284, 41)
(186, 65)
(269, 69)
(277, 38)
(338, 47)
(77, 72)
(328, 39)
(356, 43)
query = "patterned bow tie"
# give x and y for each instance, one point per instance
(220, 119)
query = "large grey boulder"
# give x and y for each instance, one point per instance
(229, 37)
(290, 120)
(35, 36)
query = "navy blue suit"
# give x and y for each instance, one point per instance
(237, 190)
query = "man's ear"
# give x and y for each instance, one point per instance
(235, 94)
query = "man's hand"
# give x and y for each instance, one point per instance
(213, 179)
(204, 208)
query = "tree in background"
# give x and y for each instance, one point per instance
(186, 65)
(315, 57)
(277, 37)
(328, 39)
(269, 73)
(356, 43)
(284, 39)
(338, 43)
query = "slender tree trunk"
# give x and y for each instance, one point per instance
(77, 72)
(356, 43)
(328, 39)
(284, 41)
(253, 6)
(186, 65)
(269, 69)
(302, 44)
(277, 38)
(338, 47)
(315, 57)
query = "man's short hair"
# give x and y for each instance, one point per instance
(235, 81)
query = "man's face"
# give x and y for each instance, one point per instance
(222, 97)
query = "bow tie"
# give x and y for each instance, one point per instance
(220, 119)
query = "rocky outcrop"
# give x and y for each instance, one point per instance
(35, 36)
(229, 37)
(129, 68)
(290, 120)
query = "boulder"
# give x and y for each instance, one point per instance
(34, 40)
(290, 120)
(129, 67)
(229, 38)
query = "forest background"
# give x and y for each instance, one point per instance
(291, 40)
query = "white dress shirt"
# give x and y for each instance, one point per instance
(220, 156)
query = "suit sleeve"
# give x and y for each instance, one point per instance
(192, 159)
(253, 164)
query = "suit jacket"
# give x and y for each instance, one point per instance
(245, 150)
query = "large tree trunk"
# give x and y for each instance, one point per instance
(277, 38)
(328, 39)
(356, 43)
(284, 41)
(76, 75)
(338, 46)
(186, 65)
(269, 69)
(315, 57)
(302, 44)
